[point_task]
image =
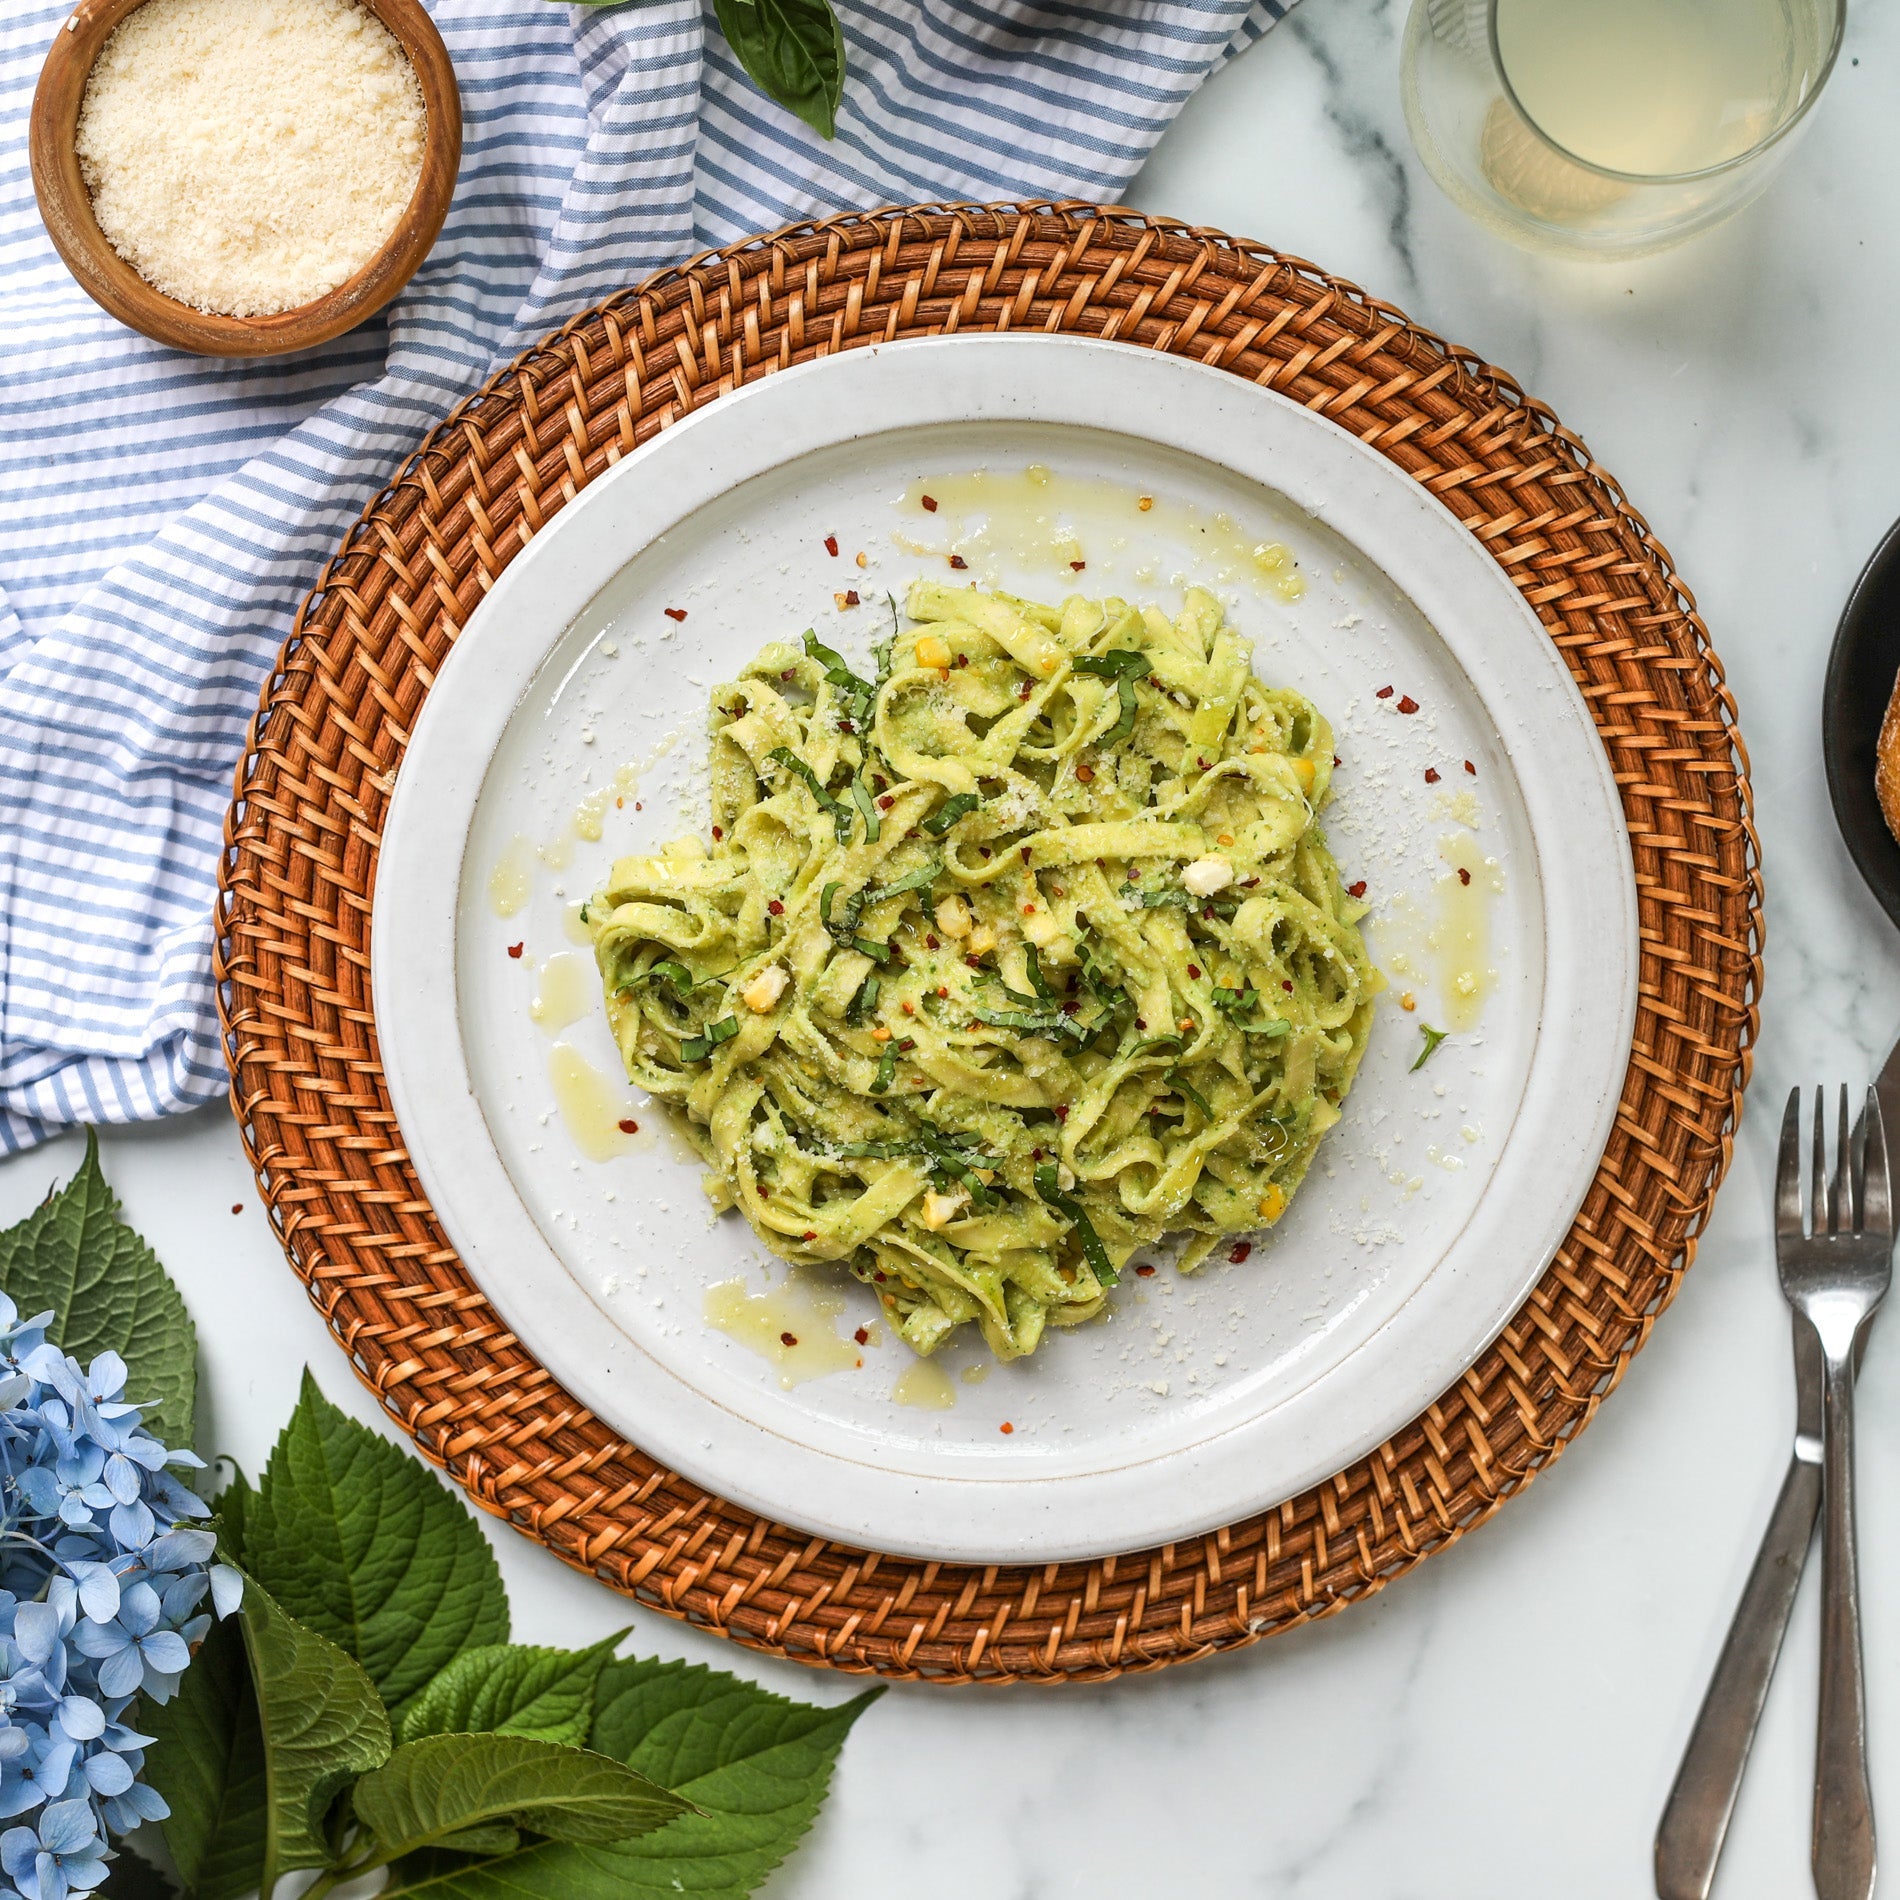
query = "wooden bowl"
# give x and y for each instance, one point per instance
(111, 282)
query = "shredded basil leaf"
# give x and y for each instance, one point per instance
(1433, 1037)
(886, 1069)
(1048, 1186)
(947, 814)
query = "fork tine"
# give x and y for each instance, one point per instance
(1818, 1212)
(1876, 1207)
(1788, 1172)
(1845, 1218)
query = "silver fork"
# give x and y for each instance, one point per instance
(1835, 1273)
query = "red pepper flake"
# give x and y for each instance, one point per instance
(962, 659)
(790, 673)
(831, 544)
(675, 613)
(237, 1207)
(813, 1236)
(515, 950)
(1194, 971)
(1286, 984)
(1241, 1249)
(975, 963)
(718, 833)
(775, 907)
(1431, 775)
(908, 1044)
(957, 560)
(930, 942)
(1144, 1271)
(1025, 689)
(638, 806)
(1062, 1111)
(765, 1193)
(628, 1126)
(862, 1335)
(878, 1277)
(850, 596)
(886, 802)
(1384, 692)
(845, 725)
(1078, 566)
(1201, 763)
(1006, 1428)
(1086, 774)
(909, 1009)
(1464, 876)
(1356, 890)
(943, 991)
(930, 504)
(1025, 854)
(1408, 704)
(1472, 769)
(1335, 761)
(788, 1339)
(1139, 1023)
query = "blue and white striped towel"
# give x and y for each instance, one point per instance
(161, 515)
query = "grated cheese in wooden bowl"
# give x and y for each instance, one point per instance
(248, 156)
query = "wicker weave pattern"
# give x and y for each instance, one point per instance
(294, 911)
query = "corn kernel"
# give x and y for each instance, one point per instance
(1303, 771)
(953, 917)
(1272, 1203)
(763, 992)
(933, 650)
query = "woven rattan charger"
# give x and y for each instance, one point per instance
(300, 864)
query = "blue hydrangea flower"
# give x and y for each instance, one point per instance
(103, 1580)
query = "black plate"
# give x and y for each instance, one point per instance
(1860, 677)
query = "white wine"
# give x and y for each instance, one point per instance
(1659, 87)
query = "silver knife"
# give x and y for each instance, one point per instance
(1696, 1817)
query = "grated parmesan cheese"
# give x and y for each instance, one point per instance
(247, 156)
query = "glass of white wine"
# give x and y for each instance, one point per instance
(1610, 128)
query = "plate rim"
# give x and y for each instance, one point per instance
(398, 898)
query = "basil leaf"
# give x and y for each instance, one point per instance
(920, 879)
(879, 953)
(949, 812)
(862, 1004)
(886, 1069)
(1125, 724)
(782, 755)
(1433, 1037)
(1123, 663)
(1038, 981)
(1047, 1185)
(1182, 1087)
(861, 793)
(793, 51)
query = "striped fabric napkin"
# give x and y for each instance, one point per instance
(161, 515)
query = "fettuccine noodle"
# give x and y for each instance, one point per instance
(1019, 956)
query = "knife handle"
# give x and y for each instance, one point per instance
(1696, 1816)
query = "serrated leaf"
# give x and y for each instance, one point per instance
(208, 1762)
(130, 1877)
(793, 51)
(322, 1724)
(108, 1293)
(460, 1788)
(230, 1506)
(512, 1689)
(757, 1764)
(365, 1545)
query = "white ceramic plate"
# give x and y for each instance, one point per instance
(1434, 1206)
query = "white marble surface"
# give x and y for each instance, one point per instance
(1506, 1721)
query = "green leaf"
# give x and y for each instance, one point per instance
(512, 1689)
(370, 1549)
(757, 1764)
(230, 1507)
(108, 1293)
(322, 1726)
(465, 1789)
(208, 1762)
(131, 1877)
(1433, 1037)
(793, 51)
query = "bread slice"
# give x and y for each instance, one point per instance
(1887, 763)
